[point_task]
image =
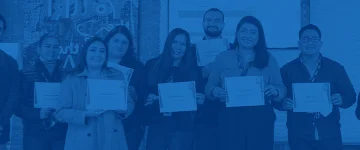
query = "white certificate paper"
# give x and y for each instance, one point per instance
(207, 50)
(107, 95)
(244, 91)
(125, 70)
(312, 97)
(46, 95)
(177, 97)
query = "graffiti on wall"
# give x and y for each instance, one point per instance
(75, 21)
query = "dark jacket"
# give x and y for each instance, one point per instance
(33, 125)
(301, 124)
(178, 121)
(138, 81)
(9, 85)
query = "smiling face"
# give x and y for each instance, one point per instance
(179, 46)
(213, 23)
(96, 55)
(118, 45)
(248, 36)
(49, 50)
(310, 42)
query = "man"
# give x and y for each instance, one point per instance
(321, 130)
(9, 84)
(206, 128)
(41, 131)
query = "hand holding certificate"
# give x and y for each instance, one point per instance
(107, 95)
(207, 50)
(177, 97)
(312, 97)
(46, 95)
(244, 91)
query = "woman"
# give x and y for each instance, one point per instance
(41, 132)
(251, 127)
(172, 131)
(121, 53)
(91, 130)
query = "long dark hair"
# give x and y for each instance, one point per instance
(165, 60)
(261, 53)
(82, 65)
(130, 55)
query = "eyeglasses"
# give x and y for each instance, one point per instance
(312, 40)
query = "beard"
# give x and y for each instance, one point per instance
(216, 33)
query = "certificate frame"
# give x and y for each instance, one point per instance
(54, 95)
(259, 81)
(191, 87)
(326, 89)
(123, 86)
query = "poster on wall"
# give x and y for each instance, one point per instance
(73, 22)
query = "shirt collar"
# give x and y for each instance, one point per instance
(319, 61)
(204, 38)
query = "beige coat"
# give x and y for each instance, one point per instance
(105, 132)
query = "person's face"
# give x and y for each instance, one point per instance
(2, 25)
(49, 50)
(96, 55)
(248, 35)
(179, 46)
(213, 23)
(118, 45)
(310, 42)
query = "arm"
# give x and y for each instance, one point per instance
(214, 79)
(345, 88)
(12, 100)
(130, 106)
(276, 81)
(25, 110)
(65, 112)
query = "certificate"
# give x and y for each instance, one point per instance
(207, 50)
(311, 97)
(244, 91)
(46, 95)
(177, 97)
(125, 70)
(107, 95)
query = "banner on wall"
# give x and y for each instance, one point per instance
(74, 21)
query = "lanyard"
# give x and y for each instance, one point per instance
(245, 69)
(312, 79)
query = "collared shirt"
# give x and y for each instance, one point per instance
(301, 124)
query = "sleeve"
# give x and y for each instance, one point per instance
(65, 111)
(12, 100)
(140, 80)
(276, 81)
(357, 111)
(214, 79)
(130, 108)
(206, 70)
(25, 110)
(345, 88)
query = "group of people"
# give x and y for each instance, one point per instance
(212, 127)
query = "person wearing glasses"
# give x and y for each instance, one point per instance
(319, 130)
(41, 131)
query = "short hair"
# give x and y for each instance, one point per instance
(2, 19)
(46, 36)
(216, 10)
(309, 27)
